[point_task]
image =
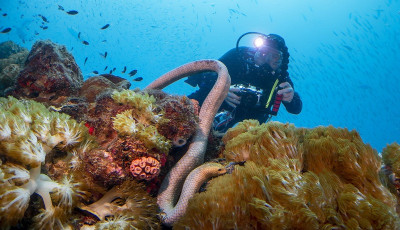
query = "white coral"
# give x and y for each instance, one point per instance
(16, 197)
(67, 192)
(18, 127)
(14, 173)
(5, 130)
(71, 133)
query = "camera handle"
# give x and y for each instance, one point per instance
(277, 103)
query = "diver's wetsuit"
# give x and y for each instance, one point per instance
(242, 70)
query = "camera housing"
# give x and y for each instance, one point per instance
(250, 95)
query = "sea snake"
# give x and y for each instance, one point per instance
(171, 186)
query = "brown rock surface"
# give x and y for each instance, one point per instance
(99, 85)
(50, 73)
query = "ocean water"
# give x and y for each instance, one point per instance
(344, 54)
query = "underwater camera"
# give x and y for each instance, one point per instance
(250, 95)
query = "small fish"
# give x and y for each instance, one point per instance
(114, 69)
(105, 68)
(85, 42)
(138, 79)
(60, 8)
(84, 63)
(133, 72)
(6, 30)
(105, 27)
(104, 41)
(44, 27)
(72, 12)
(95, 72)
(44, 18)
(79, 35)
(104, 55)
(123, 71)
(4, 15)
(110, 71)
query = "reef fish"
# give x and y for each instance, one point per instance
(133, 72)
(138, 79)
(6, 30)
(85, 61)
(123, 71)
(85, 42)
(44, 18)
(95, 72)
(72, 12)
(105, 27)
(104, 55)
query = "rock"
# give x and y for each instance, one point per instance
(50, 73)
(8, 76)
(8, 48)
(103, 84)
(12, 59)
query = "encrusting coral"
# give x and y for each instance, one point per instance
(321, 178)
(28, 133)
(145, 168)
(182, 115)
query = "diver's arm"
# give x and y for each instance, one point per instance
(295, 105)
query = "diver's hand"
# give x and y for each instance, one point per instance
(232, 99)
(287, 91)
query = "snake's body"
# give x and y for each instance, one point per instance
(171, 186)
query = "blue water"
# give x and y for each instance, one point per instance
(344, 54)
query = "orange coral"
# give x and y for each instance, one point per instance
(295, 178)
(145, 168)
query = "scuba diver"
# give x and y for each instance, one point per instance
(259, 82)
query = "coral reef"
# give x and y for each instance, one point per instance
(50, 74)
(140, 121)
(295, 178)
(125, 125)
(30, 134)
(47, 153)
(12, 59)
